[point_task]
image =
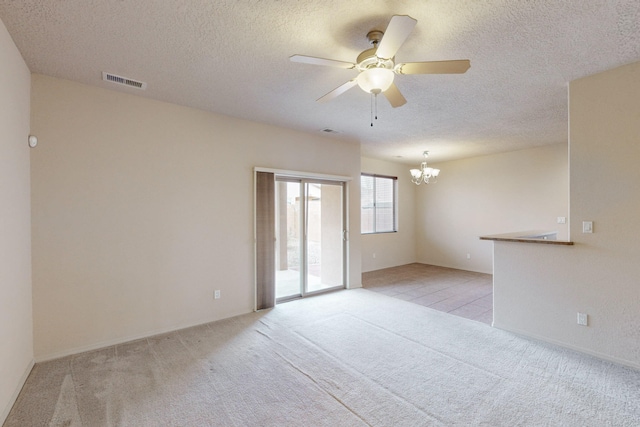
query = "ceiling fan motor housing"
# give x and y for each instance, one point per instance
(368, 59)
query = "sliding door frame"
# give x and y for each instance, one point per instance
(306, 177)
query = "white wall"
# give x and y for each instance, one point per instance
(392, 249)
(539, 289)
(16, 337)
(142, 209)
(501, 193)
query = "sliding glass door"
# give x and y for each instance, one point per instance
(325, 237)
(288, 239)
(310, 236)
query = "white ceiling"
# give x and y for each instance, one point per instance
(232, 57)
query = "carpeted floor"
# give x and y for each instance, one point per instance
(349, 358)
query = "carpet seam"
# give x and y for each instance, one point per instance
(430, 348)
(290, 363)
(351, 368)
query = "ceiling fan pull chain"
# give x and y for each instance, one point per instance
(372, 110)
(376, 106)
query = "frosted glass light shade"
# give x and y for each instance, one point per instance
(375, 80)
(415, 173)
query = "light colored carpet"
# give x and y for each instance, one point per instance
(350, 358)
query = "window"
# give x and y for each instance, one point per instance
(378, 203)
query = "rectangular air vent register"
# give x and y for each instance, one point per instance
(113, 78)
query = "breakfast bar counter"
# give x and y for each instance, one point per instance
(544, 237)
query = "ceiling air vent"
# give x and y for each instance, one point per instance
(327, 130)
(108, 77)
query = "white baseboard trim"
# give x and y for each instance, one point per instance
(14, 397)
(596, 354)
(121, 340)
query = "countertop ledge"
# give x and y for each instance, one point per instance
(527, 237)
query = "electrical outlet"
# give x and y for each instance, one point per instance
(216, 295)
(468, 256)
(587, 226)
(374, 254)
(583, 319)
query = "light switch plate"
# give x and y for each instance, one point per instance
(562, 220)
(587, 226)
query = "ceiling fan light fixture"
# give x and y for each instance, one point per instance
(375, 80)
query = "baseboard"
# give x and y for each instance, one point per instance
(598, 355)
(116, 341)
(14, 396)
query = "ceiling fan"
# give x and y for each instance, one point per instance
(377, 67)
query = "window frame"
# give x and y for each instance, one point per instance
(394, 180)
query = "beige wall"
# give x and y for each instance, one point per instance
(501, 193)
(539, 290)
(391, 249)
(16, 348)
(142, 209)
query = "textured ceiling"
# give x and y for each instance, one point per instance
(232, 57)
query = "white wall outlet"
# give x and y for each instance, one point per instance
(216, 294)
(562, 220)
(587, 226)
(468, 256)
(374, 254)
(583, 319)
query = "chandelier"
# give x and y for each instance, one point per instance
(424, 174)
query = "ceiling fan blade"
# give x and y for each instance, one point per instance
(434, 67)
(321, 61)
(394, 96)
(338, 91)
(397, 32)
